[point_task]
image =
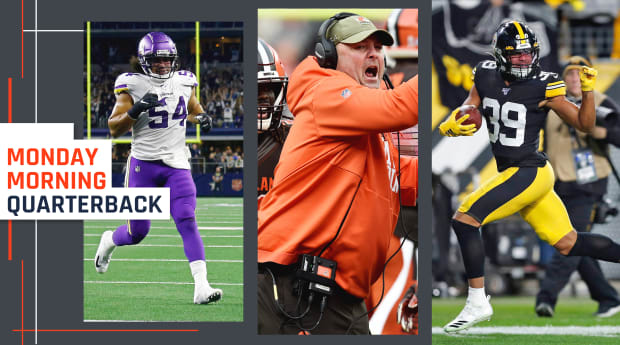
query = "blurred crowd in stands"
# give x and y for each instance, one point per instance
(221, 76)
(206, 158)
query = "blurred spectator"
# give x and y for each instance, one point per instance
(196, 151)
(218, 177)
(221, 75)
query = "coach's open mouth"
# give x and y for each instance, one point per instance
(371, 72)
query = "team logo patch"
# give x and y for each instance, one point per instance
(363, 20)
(137, 169)
(505, 90)
(345, 93)
(236, 184)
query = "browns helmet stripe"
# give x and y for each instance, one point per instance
(265, 57)
(392, 26)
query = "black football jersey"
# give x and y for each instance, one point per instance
(512, 114)
(269, 148)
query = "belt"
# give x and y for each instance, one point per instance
(286, 270)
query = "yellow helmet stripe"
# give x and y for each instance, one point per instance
(520, 29)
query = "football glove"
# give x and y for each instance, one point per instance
(205, 122)
(147, 102)
(454, 128)
(407, 315)
(587, 76)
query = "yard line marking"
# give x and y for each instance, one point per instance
(210, 228)
(169, 260)
(158, 283)
(177, 236)
(598, 331)
(203, 219)
(200, 227)
(168, 245)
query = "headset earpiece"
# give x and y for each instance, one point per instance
(325, 49)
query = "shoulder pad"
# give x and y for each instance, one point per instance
(124, 82)
(487, 64)
(554, 85)
(186, 78)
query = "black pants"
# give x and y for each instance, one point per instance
(340, 312)
(561, 267)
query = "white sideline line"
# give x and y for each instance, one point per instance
(599, 331)
(132, 321)
(166, 245)
(214, 217)
(141, 321)
(177, 236)
(219, 205)
(168, 260)
(159, 283)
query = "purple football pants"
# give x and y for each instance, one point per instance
(182, 205)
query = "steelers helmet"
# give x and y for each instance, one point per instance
(516, 38)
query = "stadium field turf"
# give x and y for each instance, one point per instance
(515, 322)
(152, 281)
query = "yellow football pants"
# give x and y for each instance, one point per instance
(528, 191)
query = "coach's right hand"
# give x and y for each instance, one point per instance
(454, 128)
(147, 102)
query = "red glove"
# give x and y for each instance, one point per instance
(407, 315)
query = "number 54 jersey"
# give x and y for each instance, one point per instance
(513, 116)
(159, 133)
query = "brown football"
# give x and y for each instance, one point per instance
(474, 115)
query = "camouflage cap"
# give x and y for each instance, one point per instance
(355, 29)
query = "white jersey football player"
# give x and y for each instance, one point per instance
(156, 106)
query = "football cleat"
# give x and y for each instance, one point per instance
(609, 312)
(472, 313)
(104, 252)
(544, 310)
(206, 294)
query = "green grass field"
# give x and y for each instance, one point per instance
(152, 281)
(573, 323)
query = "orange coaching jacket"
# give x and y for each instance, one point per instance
(335, 157)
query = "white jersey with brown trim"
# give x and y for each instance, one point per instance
(159, 133)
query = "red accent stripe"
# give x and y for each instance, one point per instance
(10, 240)
(107, 330)
(22, 330)
(10, 119)
(10, 100)
(22, 39)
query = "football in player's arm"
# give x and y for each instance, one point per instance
(513, 94)
(581, 118)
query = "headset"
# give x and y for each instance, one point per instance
(325, 49)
